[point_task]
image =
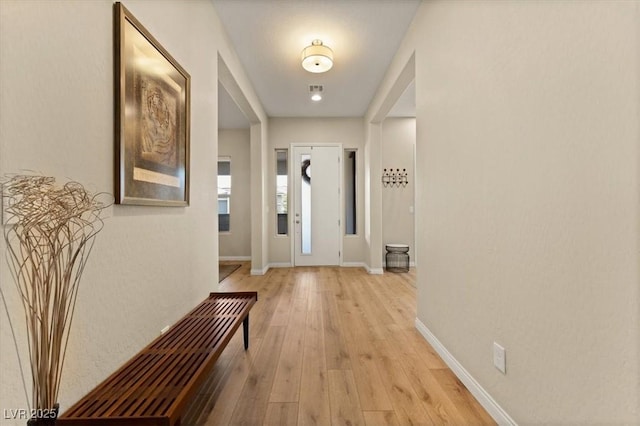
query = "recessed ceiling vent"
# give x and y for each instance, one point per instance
(316, 91)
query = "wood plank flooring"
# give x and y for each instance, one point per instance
(332, 346)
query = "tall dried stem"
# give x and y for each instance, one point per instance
(49, 236)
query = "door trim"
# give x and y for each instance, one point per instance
(292, 195)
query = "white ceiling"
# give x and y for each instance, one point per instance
(269, 35)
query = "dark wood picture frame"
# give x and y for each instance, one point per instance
(152, 118)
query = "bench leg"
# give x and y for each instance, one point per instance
(245, 329)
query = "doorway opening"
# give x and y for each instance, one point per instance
(398, 162)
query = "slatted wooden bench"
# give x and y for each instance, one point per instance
(156, 385)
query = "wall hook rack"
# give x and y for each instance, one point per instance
(397, 178)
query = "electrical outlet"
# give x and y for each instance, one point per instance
(499, 358)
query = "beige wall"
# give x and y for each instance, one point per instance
(285, 131)
(235, 144)
(527, 156)
(398, 143)
(150, 265)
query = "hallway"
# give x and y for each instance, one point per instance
(332, 346)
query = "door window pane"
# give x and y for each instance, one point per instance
(305, 198)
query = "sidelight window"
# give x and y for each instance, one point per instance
(224, 194)
(350, 191)
(282, 187)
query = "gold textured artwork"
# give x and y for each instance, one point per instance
(158, 136)
(152, 118)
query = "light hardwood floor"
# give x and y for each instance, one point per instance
(332, 346)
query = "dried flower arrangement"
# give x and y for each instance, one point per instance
(49, 232)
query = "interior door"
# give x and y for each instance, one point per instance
(317, 205)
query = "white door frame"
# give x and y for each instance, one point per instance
(292, 196)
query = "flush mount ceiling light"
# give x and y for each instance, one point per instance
(317, 58)
(316, 92)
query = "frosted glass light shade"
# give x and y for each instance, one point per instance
(317, 58)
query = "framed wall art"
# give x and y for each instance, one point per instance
(152, 118)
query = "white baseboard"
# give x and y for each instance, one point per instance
(281, 265)
(238, 258)
(354, 265)
(374, 271)
(483, 397)
(260, 271)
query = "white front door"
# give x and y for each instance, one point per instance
(317, 205)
